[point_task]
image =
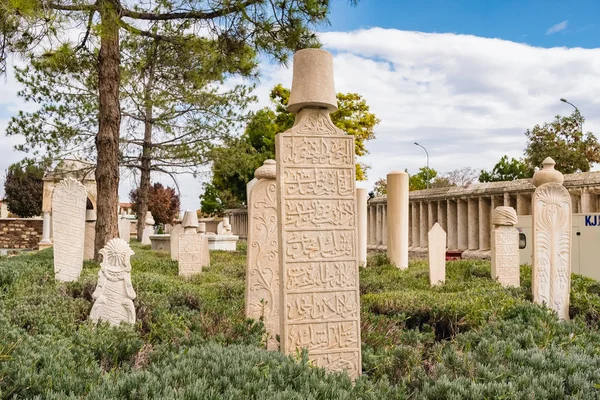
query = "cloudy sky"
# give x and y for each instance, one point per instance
(464, 81)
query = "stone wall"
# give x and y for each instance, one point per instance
(20, 233)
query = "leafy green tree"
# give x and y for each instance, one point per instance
(163, 203)
(24, 189)
(419, 180)
(564, 141)
(272, 27)
(506, 170)
(235, 162)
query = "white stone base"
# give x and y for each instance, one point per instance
(42, 245)
(160, 242)
(222, 242)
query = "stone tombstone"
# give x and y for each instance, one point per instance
(190, 246)
(505, 247)
(362, 196)
(316, 194)
(551, 220)
(69, 199)
(90, 235)
(177, 229)
(114, 293)
(262, 261)
(148, 229)
(125, 231)
(437, 255)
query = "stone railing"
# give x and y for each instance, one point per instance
(463, 212)
(20, 233)
(238, 218)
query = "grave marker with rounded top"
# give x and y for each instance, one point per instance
(397, 218)
(551, 219)
(505, 247)
(437, 255)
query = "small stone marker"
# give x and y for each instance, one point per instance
(505, 247)
(114, 293)
(318, 236)
(190, 246)
(551, 214)
(68, 224)
(149, 229)
(397, 218)
(177, 230)
(437, 255)
(262, 262)
(90, 234)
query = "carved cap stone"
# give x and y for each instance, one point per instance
(547, 174)
(312, 83)
(190, 219)
(504, 216)
(266, 171)
(149, 220)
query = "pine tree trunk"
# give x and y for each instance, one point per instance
(107, 140)
(146, 150)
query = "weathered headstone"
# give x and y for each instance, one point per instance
(190, 246)
(262, 261)
(90, 235)
(125, 231)
(68, 224)
(437, 255)
(114, 293)
(318, 225)
(177, 229)
(148, 229)
(551, 214)
(505, 247)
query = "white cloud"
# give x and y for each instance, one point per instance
(467, 99)
(561, 26)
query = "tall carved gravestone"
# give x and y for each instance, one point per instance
(148, 228)
(114, 293)
(505, 247)
(437, 255)
(68, 224)
(190, 246)
(551, 212)
(320, 305)
(262, 261)
(178, 229)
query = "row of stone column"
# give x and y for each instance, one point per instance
(239, 223)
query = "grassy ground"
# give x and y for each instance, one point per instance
(467, 339)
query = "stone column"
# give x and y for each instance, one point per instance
(575, 203)
(90, 235)
(551, 221)
(416, 225)
(410, 240)
(452, 224)
(462, 223)
(378, 225)
(442, 214)
(588, 202)
(506, 197)
(484, 223)
(397, 222)
(431, 214)
(423, 228)
(46, 242)
(505, 247)
(384, 221)
(523, 204)
(362, 196)
(473, 225)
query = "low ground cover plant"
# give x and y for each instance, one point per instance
(467, 339)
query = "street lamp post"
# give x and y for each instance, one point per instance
(576, 109)
(427, 171)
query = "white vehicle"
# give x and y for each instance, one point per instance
(585, 243)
